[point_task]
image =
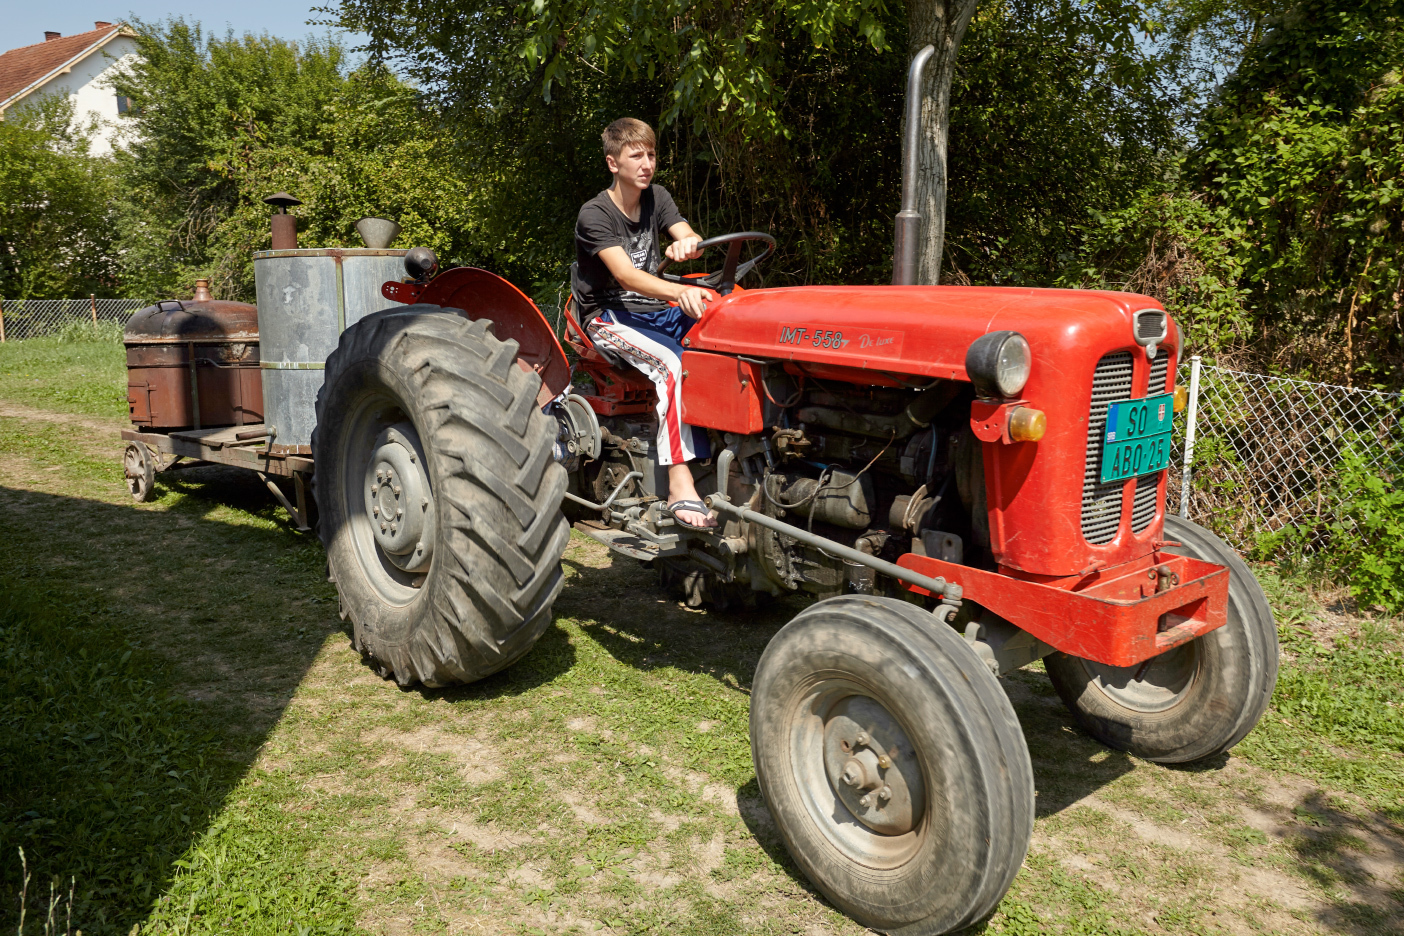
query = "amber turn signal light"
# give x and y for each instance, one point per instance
(1181, 399)
(1027, 424)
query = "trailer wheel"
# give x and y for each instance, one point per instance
(1194, 701)
(438, 498)
(139, 470)
(892, 763)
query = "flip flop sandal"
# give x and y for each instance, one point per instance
(690, 505)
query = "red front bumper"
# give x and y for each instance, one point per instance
(1119, 620)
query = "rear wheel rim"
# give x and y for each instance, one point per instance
(376, 418)
(1165, 683)
(859, 775)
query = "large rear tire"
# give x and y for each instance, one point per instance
(438, 497)
(892, 763)
(1197, 700)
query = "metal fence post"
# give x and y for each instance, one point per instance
(1191, 416)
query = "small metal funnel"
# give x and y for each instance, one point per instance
(378, 233)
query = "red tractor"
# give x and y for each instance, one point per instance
(968, 479)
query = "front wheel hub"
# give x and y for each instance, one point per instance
(399, 502)
(872, 767)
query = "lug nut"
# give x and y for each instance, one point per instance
(392, 528)
(400, 513)
(382, 526)
(866, 800)
(379, 475)
(396, 489)
(863, 738)
(375, 511)
(375, 489)
(884, 762)
(885, 794)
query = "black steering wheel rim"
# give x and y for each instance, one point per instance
(723, 280)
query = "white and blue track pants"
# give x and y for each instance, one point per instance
(658, 354)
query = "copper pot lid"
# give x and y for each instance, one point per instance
(197, 319)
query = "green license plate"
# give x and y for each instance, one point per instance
(1138, 437)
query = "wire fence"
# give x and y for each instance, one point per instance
(35, 318)
(1267, 452)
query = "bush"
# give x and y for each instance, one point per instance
(1366, 545)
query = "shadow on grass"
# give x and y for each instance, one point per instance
(145, 655)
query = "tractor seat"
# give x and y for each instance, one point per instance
(582, 337)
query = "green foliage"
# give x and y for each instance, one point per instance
(1181, 249)
(55, 214)
(203, 109)
(1366, 545)
(1058, 110)
(1296, 256)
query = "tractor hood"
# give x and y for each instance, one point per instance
(919, 330)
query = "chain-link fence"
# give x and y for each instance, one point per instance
(34, 318)
(1266, 452)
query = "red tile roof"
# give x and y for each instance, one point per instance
(20, 68)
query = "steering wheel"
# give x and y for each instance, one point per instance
(724, 279)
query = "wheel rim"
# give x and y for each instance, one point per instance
(1157, 687)
(858, 773)
(384, 481)
(135, 465)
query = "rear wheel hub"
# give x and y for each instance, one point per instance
(398, 501)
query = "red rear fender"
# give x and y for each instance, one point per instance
(485, 295)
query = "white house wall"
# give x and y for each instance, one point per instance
(88, 86)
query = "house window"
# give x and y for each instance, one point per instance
(123, 104)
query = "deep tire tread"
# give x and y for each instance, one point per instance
(497, 565)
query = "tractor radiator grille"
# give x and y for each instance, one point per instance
(1147, 486)
(1101, 503)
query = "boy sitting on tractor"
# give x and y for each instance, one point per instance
(634, 314)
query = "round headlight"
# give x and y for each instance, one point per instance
(998, 364)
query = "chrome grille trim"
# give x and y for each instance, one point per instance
(1101, 503)
(1150, 325)
(1145, 504)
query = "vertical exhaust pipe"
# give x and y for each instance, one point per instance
(284, 224)
(904, 258)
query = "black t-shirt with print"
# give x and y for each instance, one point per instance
(601, 225)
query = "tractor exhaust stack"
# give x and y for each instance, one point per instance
(904, 259)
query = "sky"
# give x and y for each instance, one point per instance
(24, 23)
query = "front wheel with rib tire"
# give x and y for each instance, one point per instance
(1194, 701)
(438, 498)
(892, 763)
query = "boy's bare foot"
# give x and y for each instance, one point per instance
(682, 488)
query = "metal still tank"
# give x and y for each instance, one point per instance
(193, 364)
(306, 299)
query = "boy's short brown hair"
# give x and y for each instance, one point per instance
(627, 131)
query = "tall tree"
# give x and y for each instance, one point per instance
(941, 24)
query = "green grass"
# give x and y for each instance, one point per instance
(1337, 716)
(602, 784)
(63, 375)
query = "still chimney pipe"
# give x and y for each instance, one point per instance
(50, 35)
(284, 224)
(908, 234)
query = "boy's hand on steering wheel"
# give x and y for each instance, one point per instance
(683, 249)
(694, 300)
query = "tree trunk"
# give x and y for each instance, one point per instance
(940, 23)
